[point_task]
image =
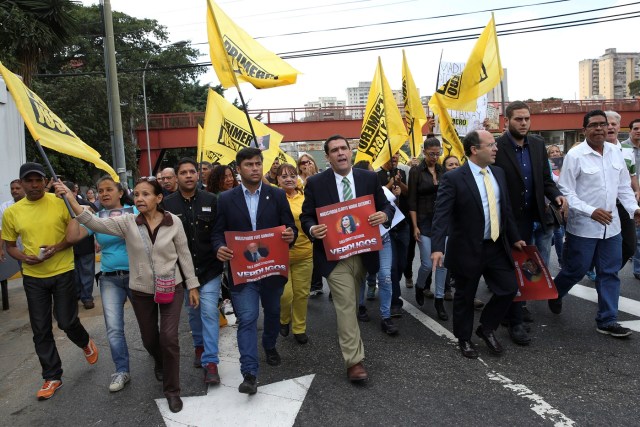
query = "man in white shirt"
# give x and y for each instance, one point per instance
(593, 176)
(634, 142)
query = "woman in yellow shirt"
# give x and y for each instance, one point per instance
(293, 303)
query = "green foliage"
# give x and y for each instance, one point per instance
(634, 88)
(73, 84)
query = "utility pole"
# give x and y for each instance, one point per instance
(113, 94)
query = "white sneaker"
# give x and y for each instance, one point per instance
(227, 307)
(118, 381)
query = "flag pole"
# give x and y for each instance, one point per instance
(383, 102)
(235, 80)
(54, 176)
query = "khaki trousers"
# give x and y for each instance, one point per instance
(344, 283)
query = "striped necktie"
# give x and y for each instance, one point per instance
(347, 194)
(493, 209)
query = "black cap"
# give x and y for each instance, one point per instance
(31, 167)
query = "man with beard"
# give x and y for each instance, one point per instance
(523, 157)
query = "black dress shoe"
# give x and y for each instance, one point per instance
(490, 339)
(518, 334)
(273, 358)
(301, 338)
(420, 296)
(284, 330)
(526, 315)
(249, 385)
(442, 313)
(175, 403)
(388, 327)
(157, 370)
(396, 311)
(467, 349)
(363, 316)
(555, 305)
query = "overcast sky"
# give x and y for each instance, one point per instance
(540, 64)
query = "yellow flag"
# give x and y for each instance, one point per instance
(237, 57)
(403, 159)
(414, 114)
(482, 72)
(451, 144)
(47, 128)
(226, 131)
(199, 154)
(383, 132)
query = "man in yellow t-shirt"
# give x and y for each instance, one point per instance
(41, 219)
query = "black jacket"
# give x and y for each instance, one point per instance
(197, 215)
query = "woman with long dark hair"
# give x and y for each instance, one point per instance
(221, 178)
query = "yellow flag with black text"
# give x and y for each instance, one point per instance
(47, 128)
(199, 154)
(482, 72)
(414, 114)
(383, 132)
(237, 57)
(226, 131)
(451, 144)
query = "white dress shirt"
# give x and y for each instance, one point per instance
(590, 181)
(340, 184)
(479, 178)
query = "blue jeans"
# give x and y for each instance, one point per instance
(85, 272)
(606, 255)
(542, 239)
(246, 299)
(558, 242)
(114, 291)
(384, 278)
(205, 320)
(425, 267)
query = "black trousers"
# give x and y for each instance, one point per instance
(628, 231)
(40, 292)
(498, 272)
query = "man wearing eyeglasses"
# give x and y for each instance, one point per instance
(593, 176)
(169, 181)
(523, 157)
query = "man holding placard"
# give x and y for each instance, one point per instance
(340, 184)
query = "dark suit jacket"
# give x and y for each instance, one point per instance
(459, 215)
(543, 184)
(321, 190)
(233, 215)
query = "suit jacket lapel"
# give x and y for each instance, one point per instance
(241, 204)
(331, 186)
(359, 183)
(265, 198)
(473, 187)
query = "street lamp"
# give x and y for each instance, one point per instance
(144, 96)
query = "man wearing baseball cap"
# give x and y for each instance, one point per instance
(41, 219)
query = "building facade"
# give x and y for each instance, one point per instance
(608, 77)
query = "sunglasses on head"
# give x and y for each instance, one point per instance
(147, 178)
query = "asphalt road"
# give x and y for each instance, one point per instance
(569, 375)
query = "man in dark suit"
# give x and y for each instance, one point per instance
(337, 184)
(253, 206)
(523, 158)
(473, 209)
(255, 253)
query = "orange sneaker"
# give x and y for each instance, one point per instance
(91, 352)
(48, 389)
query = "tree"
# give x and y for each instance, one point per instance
(73, 84)
(634, 88)
(31, 30)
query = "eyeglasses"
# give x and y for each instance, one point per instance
(305, 162)
(434, 155)
(597, 125)
(147, 178)
(490, 145)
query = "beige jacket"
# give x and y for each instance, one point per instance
(170, 246)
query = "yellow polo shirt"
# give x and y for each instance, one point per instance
(303, 248)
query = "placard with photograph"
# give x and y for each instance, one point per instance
(533, 277)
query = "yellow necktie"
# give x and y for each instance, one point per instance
(493, 209)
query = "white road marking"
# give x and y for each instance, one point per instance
(626, 305)
(274, 405)
(538, 405)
